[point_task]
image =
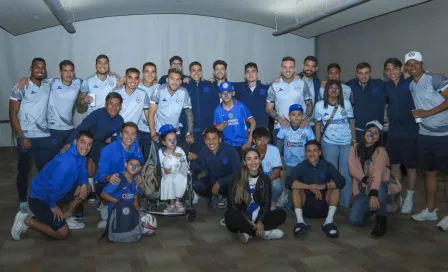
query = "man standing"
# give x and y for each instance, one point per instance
(176, 63)
(430, 94)
(28, 115)
(308, 74)
(219, 72)
(334, 73)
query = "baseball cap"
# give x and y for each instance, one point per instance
(225, 87)
(413, 55)
(134, 156)
(295, 107)
(165, 129)
(376, 124)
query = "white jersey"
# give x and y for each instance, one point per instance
(61, 102)
(169, 107)
(94, 85)
(143, 124)
(33, 108)
(338, 131)
(294, 143)
(346, 91)
(285, 94)
(133, 104)
(271, 160)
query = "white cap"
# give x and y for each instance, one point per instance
(413, 55)
(376, 124)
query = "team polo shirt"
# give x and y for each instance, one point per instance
(220, 166)
(271, 161)
(346, 92)
(236, 132)
(162, 80)
(294, 143)
(33, 108)
(369, 101)
(284, 94)
(338, 131)
(133, 104)
(143, 123)
(401, 122)
(427, 95)
(124, 191)
(254, 98)
(61, 102)
(169, 107)
(100, 88)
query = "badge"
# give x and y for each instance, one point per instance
(179, 100)
(303, 136)
(225, 85)
(230, 115)
(225, 160)
(298, 88)
(111, 83)
(375, 90)
(425, 87)
(139, 99)
(268, 164)
(322, 176)
(75, 87)
(411, 54)
(206, 90)
(343, 113)
(125, 211)
(262, 92)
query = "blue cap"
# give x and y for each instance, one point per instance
(295, 107)
(225, 87)
(134, 156)
(165, 129)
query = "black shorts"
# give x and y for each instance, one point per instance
(43, 213)
(99, 186)
(403, 151)
(313, 208)
(433, 153)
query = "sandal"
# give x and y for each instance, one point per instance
(328, 228)
(300, 229)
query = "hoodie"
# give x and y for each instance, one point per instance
(59, 176)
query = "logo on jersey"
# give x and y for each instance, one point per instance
(298, 88)
(262, 92)
(59, 88)
(375, 90)
(179, 100)
(206, 90)
(405, 86)
(33, 92)
(139, 99)
(231, 115)
(164, 99)
(280, 89)
(268, 164)
(303, 136)
(343, 113)
(75, 87)
(54, 141)
(425, 87)
(225, 160)
(325, 114)
(111, 83)
(94, 86)
(125, 211)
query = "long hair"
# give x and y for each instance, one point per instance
(241, 195)
(340, 96)
(365, 153)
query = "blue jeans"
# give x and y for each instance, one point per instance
(338, 156)
(360, 208)
(277, 189)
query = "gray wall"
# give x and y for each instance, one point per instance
(421, 28)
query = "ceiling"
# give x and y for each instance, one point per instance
(23, 16)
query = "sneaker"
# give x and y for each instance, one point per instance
(222, 222)
(425, 215)
(73, 224)
(195, 198)
(179, 207)
(92, 199)
(273, 234)
(443, 225)
(79, 215)
(19, 226)
(222, 203)
(102, 224)
(407, 206)
(244, 237)
(170, 209)
(103, 211)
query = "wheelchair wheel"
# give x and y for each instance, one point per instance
(191, 215)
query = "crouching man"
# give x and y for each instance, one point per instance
(56, 191)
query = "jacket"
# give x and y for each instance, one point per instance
(316, 91)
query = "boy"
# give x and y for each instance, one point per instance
(271, 163)
(231, 117)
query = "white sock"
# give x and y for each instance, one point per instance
(410, 194)
(331, 212)
(299, 215)
(92, 184)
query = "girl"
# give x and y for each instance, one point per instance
(250, 213)
(174, 170)
(335, 129)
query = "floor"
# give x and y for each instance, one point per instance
(207, 246)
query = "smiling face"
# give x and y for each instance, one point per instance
(392, 72)
(132, 80)
(102, 66)
(334, 91)
(149, 74)
(288, 69)
(371, 136)
(252, 161)
(67, 73)
(313, 153)
(133, 167)
(309, 68)
(176, 64)
(128, 136)
(113, 106)
(261, 143)
(415, 68)
(226, 96)
(212, 140)
(196, 72)
(220, 72)
(170, 140)
(38, 70)
(83, 145)
(173, 81)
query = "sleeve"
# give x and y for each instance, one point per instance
(246, 112)
(84, 86)
(379, 165)
(155, 97)
(146, 102)
(318, 112)
(348, 109)
(439, 83)
(277, 160)
(187, 101)
(235, 161)
(17, 94)
(281, 133)
(83, 176)
(217, 120)
(271, 94)
(335, 176)
(306, 92)
(103, 165)
(347, 92)
(110, 188)
(86, 124)
(62, 172)
(309, 134)
(354, 165)
(266, 207)
(321, 93)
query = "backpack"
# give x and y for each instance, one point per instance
(150, 185)
(123, 224)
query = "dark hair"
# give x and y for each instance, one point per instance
(132, 70)
(250, 65)
(363, 65)
(341, 95)
(212, 130)
(85, 133)
(193, 64)
(101, 57)
(219, 62)
(313, 142)
(38, 60)
(173, 70)
(362, 151)
(114, 95)
(311, 58)
(149, 64)
(163, 136)
(394, 61)
(65, 63)
(333, 65)
(173, 58)
(129, 124)
(260, 132)
(289, 58)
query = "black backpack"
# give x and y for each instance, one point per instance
(123, 224)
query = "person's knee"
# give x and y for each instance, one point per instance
(63, 232)
(277, 187)
(355, 219)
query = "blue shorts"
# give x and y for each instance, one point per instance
(403, 151)
(433, 153)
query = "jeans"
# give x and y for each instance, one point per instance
(235, 221)
(145, 140)
(277, 189)
(338, 156)
(360, 208)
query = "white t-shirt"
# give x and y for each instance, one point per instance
(253, 208)
(133, 104)
(61, 102)
(100, 88)
(338, 131)
(143, 124)
(271, 160)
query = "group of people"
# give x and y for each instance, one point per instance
(90, 139)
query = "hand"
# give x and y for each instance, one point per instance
(277, 79)
(323, 84)
(222, 126)
(374, 203)
(22, 83)
(81, 194)
(296, 77)
(284, 123)
(120, 83)
(420, 113)
(213, 79)
(88, 99)
(192, 156)
(117, 76)
(186, 80)
(246, 146)
(215, 189)
(108, 140)
(139, 180)
(259, 227)
(305, 123)
(24, 142)
(115, 179)
(64, 148)
(177, 155)
(353, 142)
(317, 194)
(167, 171)
(370, 181)
(57, 213)
(190, 139)
(155, 138)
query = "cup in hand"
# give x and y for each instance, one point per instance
(92, 95)
(418, 120)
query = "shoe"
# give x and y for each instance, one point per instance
(92, 199)
(244, 237)
(273, 234)
(102, 224)
(443, 225)
(73, 224)
(103, 211)
(25, 208)
(222, 222)
(212, 204)
(380, 227)
(19, 226)
(407, 206)
(170, 209)
(425, 215)
(195, 198)
(222, 203)
(179, 208)
(79, 215)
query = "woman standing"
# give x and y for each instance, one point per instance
(335, 129)
(250, 212)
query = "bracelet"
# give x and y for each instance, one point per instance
(373, 192)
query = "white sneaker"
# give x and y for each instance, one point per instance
(407, 206)
(102, 224)
(195, 198)
(222, 222)
(244, 237)
(19, 226)
(425, 215)
(273, 205)
(73, 224)
(282, 199)
(273, 234)
(443, 225)
(103, 211)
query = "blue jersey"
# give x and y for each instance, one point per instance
(236, 131)
(294, 145)
(124, 191)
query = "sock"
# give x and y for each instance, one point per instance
(331, 212)
(410, 194)
(92, 184)
(299, 215)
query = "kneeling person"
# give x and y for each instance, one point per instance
(316, 186)
(56, 191)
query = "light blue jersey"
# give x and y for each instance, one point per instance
(143, 123)
(133, 104)
(94, 85)
(61, 102)
(294, 143)
(338, 131)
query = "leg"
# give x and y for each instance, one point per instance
(347, 191)
(59, 234)
(274, 219)
(201, 187)
(381, 214)
(144, 139)
(43, 152)
(277, 189)
(298, 200)
(23, 171)
(236, 222)
(431, 190)
(359, 210)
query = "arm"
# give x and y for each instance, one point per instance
(136, 203)
(379, 165)
(102, 174)
(151, 119)
(275, 174)
(353, 129)
(14, 107)
(317, 130)
(309, 108)
(253, 125)
(337, 180)
(441, 107)
(273, 113)
(264, 209)
(109, 198)
(354, 165)
(190, 119)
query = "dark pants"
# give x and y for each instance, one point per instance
(41, 150)
(145, 140)
(59, 138)
(235, 221)
(203, 188)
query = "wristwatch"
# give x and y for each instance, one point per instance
(188, 134)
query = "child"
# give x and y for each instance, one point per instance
(231, 117)
(174, 170)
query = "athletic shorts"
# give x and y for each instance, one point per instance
(433, 153)
(403, 151)
(99, 186)
(313, 208)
